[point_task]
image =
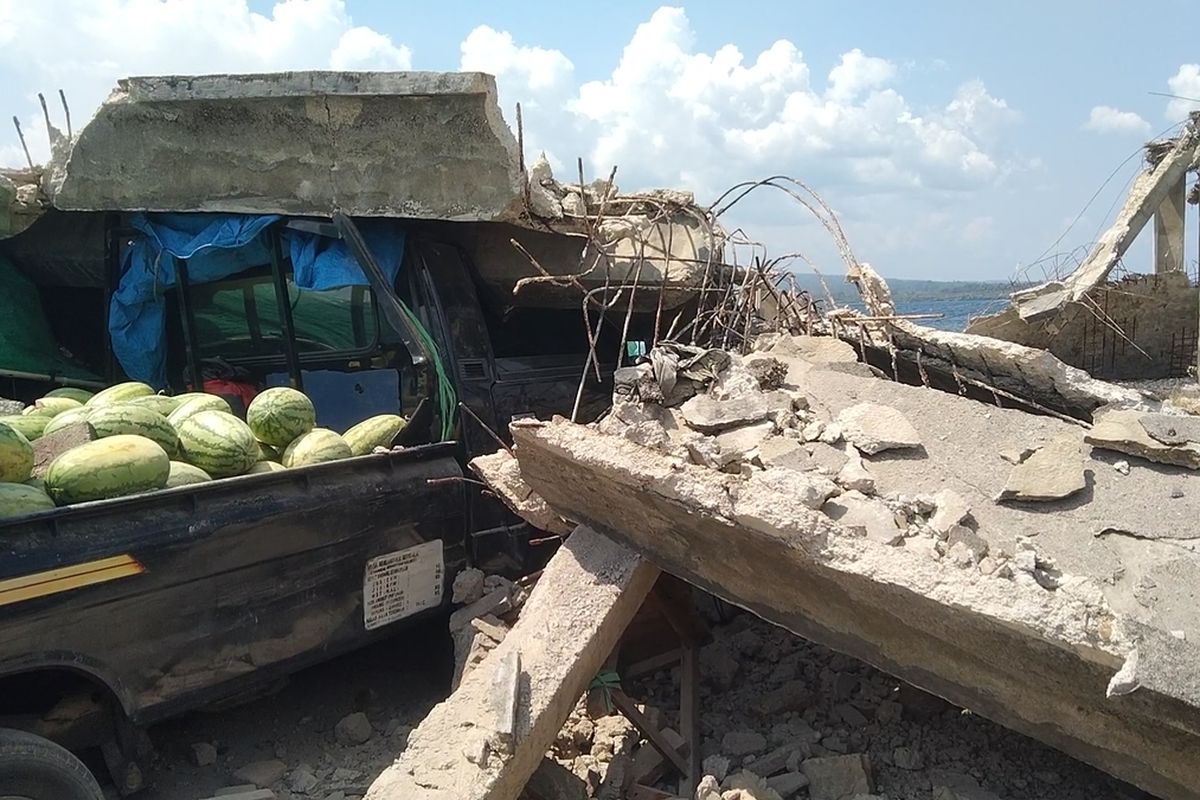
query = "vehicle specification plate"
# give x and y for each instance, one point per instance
(398, 585)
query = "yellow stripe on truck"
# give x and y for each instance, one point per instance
(64, 579)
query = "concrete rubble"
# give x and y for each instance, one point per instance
(945, 569)
(463, 749)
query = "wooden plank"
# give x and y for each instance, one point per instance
(648, 731)
(588, 593)
(689, 718)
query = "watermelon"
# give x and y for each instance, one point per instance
(218, 443)
(267, 453)
(82, 395)
(119, 394)
(183, 474)
(155, 402)
(52, 406)
(16, 455)
(315, 447)
(116, 466)
(37, 483)
(75, 415)
(19, 499)
(124, 418)
(31, 426)
(374, 432)
(195, 403)
(279, 415)
(266, 466)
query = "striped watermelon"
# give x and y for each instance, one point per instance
(19, 499)
(183, 474)
(374, 432)
(31, 426)
(315, 447)
(119, 394)
(194, 404)
(218, 443)
(52, 406)
(67, 418)
(155, 402)
(126, 419)
(279, 415)
(267, 453)
(266, 466)
(82, 395)
(16, 455)
(114, 467)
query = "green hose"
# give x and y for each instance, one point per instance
(447, 397)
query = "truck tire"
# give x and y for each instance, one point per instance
(33, 768)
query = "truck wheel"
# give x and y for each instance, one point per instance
(33, 768)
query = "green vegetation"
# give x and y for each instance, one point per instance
(909, 291)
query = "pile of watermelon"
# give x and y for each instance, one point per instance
(147, 441)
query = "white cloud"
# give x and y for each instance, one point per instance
(858, 73)
(362, 48)
(1106, 119)
(1186, 84)
(668, 110)
(83, 46)
(533, 68)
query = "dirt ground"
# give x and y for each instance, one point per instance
(396, 682)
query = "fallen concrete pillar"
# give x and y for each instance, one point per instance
(1146, 197)
(587, 594)
(1037, 660)
(395, 144)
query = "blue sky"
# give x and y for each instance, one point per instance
(954, 140)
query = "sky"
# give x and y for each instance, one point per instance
(953, 140)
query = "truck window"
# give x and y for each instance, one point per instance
(239, 317)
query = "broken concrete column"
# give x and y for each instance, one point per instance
(587, 594)
(1169, 229)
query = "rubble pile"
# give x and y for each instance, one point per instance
(786, 718)
(753, 420)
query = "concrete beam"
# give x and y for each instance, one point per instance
(397, 144)
(1169, 229)
(1035, 660)
(585, 598)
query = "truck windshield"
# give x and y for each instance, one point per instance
(240, 318)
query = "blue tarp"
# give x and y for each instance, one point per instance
(217, 246)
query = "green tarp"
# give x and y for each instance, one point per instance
(26, 343)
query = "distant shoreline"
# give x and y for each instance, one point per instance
(905, 290)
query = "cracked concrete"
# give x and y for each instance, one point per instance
(397, 144)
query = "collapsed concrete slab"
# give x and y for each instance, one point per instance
(398, 144)
(975, 362)
(1033, 644)
(487, 739)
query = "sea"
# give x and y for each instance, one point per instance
(954, 314)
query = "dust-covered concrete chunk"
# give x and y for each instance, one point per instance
(1053, 472)
(873, 428)
(708, 415)
(1125, 432)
